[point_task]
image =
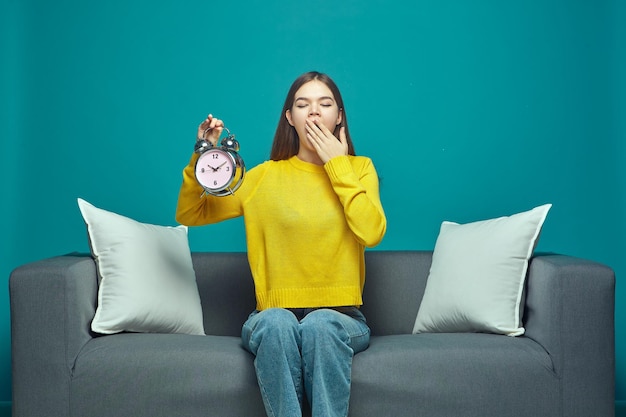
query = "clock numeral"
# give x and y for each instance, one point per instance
(214, 182)
(215, 156)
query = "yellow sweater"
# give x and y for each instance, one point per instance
(307, 227)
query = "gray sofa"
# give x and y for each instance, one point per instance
(562, 366)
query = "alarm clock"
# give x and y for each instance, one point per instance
(219, 169)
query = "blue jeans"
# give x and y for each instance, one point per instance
(305, 351)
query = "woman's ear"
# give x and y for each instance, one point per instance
(288, 116)
(339, 117)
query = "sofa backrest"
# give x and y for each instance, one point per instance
(394, 286)
(226, 291)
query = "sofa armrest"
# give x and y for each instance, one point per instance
(52, 304)
(570, 311)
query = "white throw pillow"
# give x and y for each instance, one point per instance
(476, 280)
(147, 281)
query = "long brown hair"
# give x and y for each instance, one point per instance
(286, 143)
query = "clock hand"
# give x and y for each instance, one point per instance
(214, 169)
(220, 165)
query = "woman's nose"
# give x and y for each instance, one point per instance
(314, 110)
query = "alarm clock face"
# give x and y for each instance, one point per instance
(215, 170)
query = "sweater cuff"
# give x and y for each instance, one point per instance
(338, 166)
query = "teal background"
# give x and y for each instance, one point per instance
(470, 110)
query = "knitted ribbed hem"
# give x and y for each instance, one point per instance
(310, 297)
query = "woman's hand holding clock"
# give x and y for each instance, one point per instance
(216, 126)
(219, 168)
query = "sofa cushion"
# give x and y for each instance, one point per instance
(147, 281)
(476, 280)
(159, 375)
(454, 374)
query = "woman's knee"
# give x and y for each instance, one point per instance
(274, 326)
(331, 328)
(323, 323)
(277, 317)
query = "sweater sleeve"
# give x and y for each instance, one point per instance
(356, 183)
(195, 208)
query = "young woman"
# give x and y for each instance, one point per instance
(309, 212)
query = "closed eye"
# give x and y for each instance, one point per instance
(301, 102)
(301, 106)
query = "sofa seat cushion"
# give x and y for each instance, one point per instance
(439, 374)
(156, 375)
